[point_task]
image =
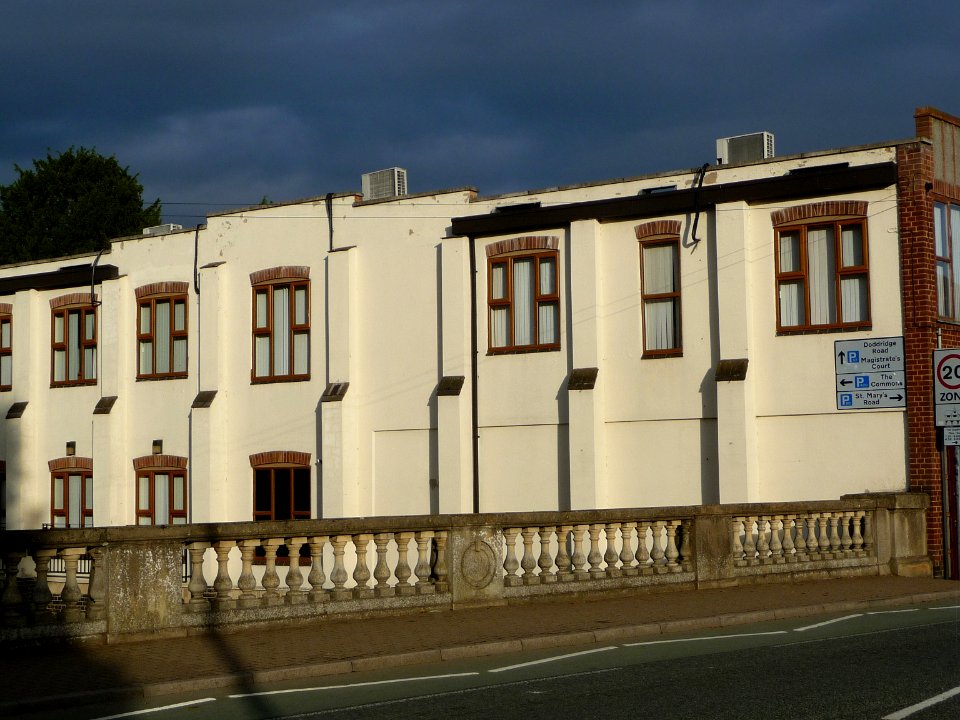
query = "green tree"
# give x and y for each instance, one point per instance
(72, 202)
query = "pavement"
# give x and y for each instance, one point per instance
(69, 674)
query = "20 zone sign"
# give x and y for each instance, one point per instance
(948, 376)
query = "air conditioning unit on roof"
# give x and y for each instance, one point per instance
(391, 182)
(162, 229)
(744, 148)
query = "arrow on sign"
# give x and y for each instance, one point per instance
(898, 398)
(845, 381)
(842, 356)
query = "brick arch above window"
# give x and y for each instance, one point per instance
(162, 288)
(523, 244)
(827, 209)
(79, 298)
(147, 462)
(71, 462)
(657, 228)
(279, 457)
(282, 272)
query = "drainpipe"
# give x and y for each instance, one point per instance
(474, 413)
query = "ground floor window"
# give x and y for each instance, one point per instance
(281, 493)
(71, 499)
(161, 497)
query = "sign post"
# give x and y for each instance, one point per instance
(870, 374)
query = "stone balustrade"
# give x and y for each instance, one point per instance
(127, 582)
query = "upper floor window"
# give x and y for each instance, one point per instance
(281, 324)
(71, 492)
(74, 340)
(660, 287)
(822, 269)
(6, 347)
(281, 485)
(523, 295)
(162, 330)
(946, 230)
(161, 488)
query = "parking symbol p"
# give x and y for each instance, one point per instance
(853, 357)
(846, 400)
(861, 381)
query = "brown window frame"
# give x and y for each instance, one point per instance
(677, 349)
(151, 335)
(268, 288)
(6, 348)
(948, 261)
(269, 473)
(802, 274)
(85, 344)
(149, 513)
(86, 478)
(539, 299)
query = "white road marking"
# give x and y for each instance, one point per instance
(156, 709)
(550, 659)
(711, 637)
(888, 612)
(907, 711)
(946, 607)
(828, 622)
(353, 685)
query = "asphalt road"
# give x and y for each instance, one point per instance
(860, 665)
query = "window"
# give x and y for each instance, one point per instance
(71, 492)
(161, 497)
(822, 276)
(74, 341)
(660, 290)
(6, 347)
(281, 325)
(162, 331)
(281, 485)
(523, 295)
(946, 228)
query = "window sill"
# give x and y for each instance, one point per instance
(662, 354)
(825, 330)
(284, 379)
(522, 350)
(153, 378)
(84, 383)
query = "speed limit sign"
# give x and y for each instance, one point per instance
(946, 386)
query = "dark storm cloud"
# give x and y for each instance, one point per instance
(220, 103)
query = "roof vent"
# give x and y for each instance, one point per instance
(388, 183)
(744, 148)
(162, 229)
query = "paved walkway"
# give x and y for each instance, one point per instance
(76, 673)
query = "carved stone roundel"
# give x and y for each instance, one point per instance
(478, 565)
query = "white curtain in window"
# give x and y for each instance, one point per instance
(90, 363)
(262, 356)
(6, 370)
(300, 306)
(74, 490)
(179, 316)
(789, 252)
(73, 346)
(659, 316)
(548, 319)
(523, 302)
(853, 295)
(499, 326)
(791, 304)
(261, 309)
(851, 242)
(281, 331)
(659, 325)
(658, 269)
(301, 353)
(821, 267)
(146, 358)
(180, 355)
(162, 336)
(498, 282)
(161, 499)
(548, 276)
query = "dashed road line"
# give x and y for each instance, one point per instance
(354, 685)
(922, 705)
(828, 622)
(710, 637)
(551, 659)
(156, 709)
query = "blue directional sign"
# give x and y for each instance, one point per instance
(870, 373)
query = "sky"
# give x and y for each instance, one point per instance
(216, 105)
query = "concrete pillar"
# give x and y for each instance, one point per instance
(736, 414)
(113, 479)
(585, 415)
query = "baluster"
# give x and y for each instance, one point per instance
(12, 600)
(626, 549)
(822, 521)
(749, 544)
(594, 557)
(42, 597)
(545, 561)
(97, 585)
(316, 578)
(643, 554)
(736, 547)
(403, 572)
(610, 554)
(579, 559)
(424, 543)
(339, 573)
(672, 553)
(812, 544)
(857, 536)
(510, 564)
(789, 549)
(834, 519)
(247, 582)
(271, 579)
(361, 572)
(440, 565)
(656, 551)
(845, 540)
(763, 542)
(198, 583)
(223, 584)
(294, 580)
(776, 545)
(381, 573)
(868, 541)
(686, 547)
(71, 595)
(564, 562)
(528, 563)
